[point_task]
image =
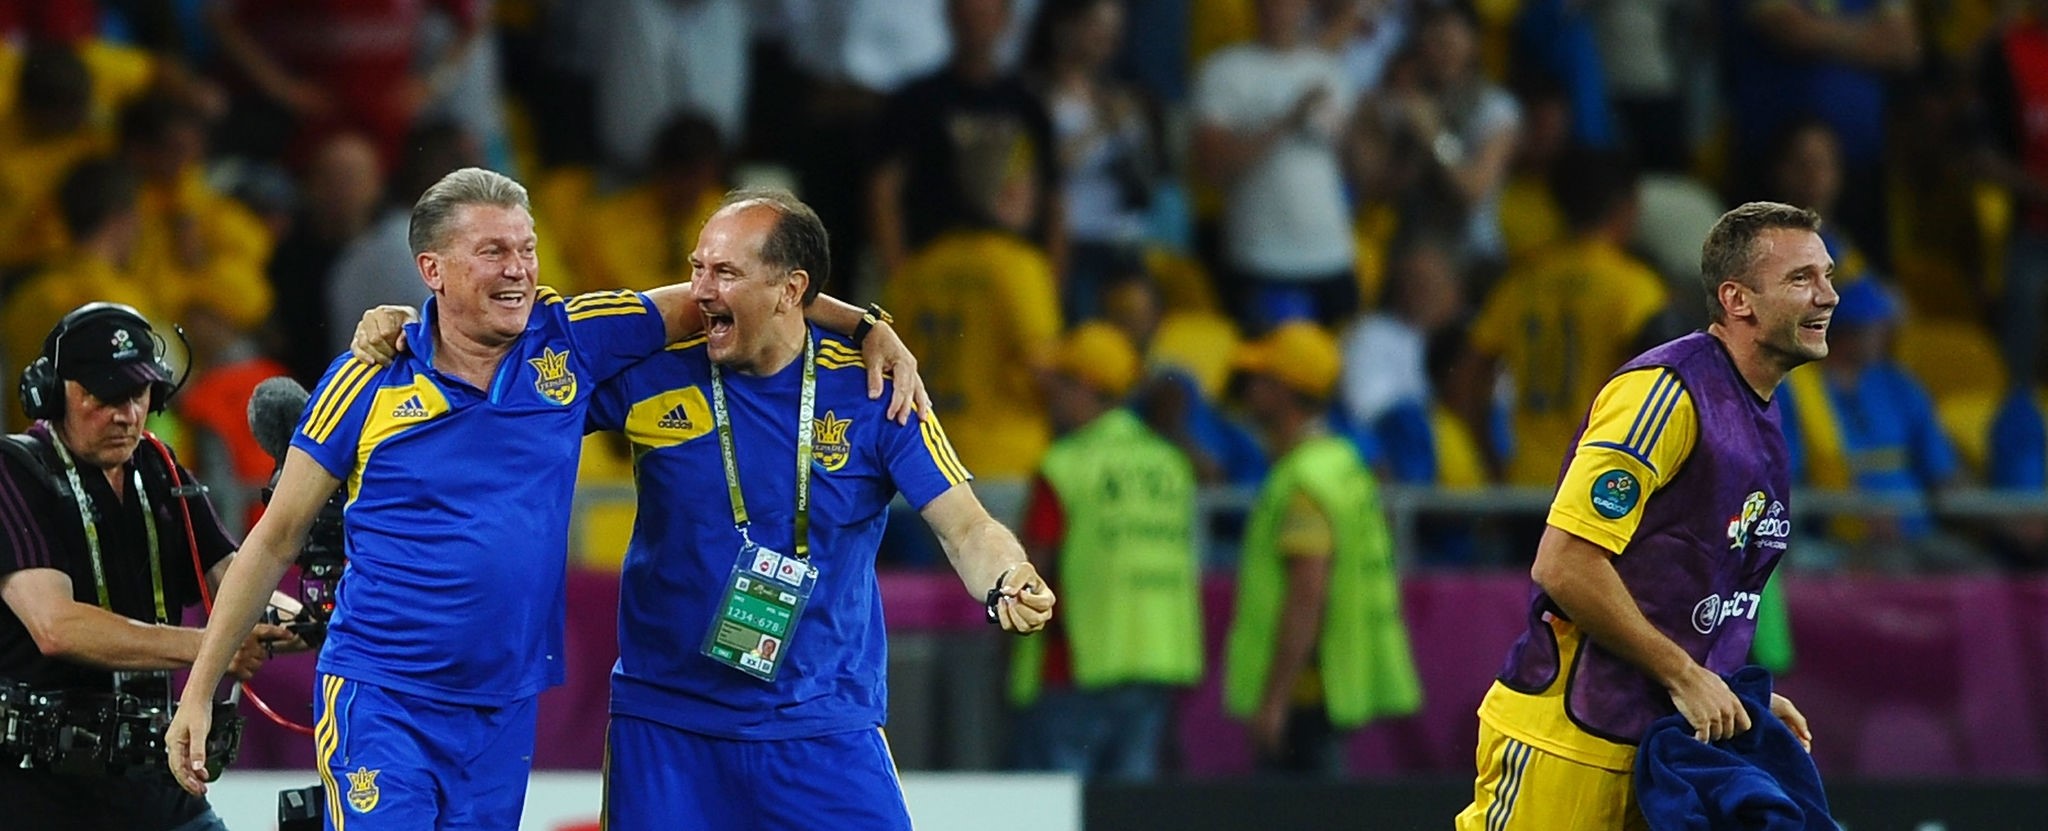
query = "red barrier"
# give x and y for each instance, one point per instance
(1936, 677)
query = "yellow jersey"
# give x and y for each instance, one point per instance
(1561, 324)
(1643, 423)
(981, 310)
(223, 273)
(629, 242)
(32, 168)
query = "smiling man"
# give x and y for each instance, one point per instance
(460, 461)
(1673, 510)
(751, 685)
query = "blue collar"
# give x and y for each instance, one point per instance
(419, 335)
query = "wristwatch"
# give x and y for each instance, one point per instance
(995, 597)
(875, 315)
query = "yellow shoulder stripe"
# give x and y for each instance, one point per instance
(548, 295)
(605, 303)
(941, 449)
(1635, 412)
(336, 399)
(1655, 413)
(603, 298)
(611, 311)
(686, 343)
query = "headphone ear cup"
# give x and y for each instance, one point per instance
(160, 399)
(42, 394)
(160, 392)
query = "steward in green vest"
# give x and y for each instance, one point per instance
(1317, 645)
(1114, 515)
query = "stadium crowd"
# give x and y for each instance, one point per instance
(1438, 226)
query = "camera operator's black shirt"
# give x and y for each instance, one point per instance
(39, 529)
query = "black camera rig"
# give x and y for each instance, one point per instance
(99, 733)
(321, 562)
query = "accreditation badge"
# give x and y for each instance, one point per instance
(764, 598)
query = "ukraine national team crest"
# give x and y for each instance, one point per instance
(556, 382)
(828, 441)
(362, 790)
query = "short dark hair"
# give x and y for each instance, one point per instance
(54, 80)
(95, 192)
(1730, 250)
(1462, 11)
(1591, 184)
(149, 121)
(798, 240)
(433, 149)
(685, 142)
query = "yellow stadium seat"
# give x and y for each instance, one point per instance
(1994, 221)
(1951, 357)
(1199, 343)
(1372, 238)
(1184, 285)
(1966, 418)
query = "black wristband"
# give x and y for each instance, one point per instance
(995, 596)
(874, 316)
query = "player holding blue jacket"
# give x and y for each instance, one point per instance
(1672, 512)
(750, 688)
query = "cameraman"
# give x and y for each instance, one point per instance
(99, 534)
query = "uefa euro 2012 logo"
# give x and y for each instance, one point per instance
(1768, 526)
(1616, 493)
(556, 383)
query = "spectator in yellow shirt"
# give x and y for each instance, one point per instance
(202, 251)
(642, 237)
(97, 202)
(56, 115)
(980, 303)
(1563, 321)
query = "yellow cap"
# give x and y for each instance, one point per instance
(1301, 355)
(1100, 356)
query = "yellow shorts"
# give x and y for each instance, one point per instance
(1522, 788)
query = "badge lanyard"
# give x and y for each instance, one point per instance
(92, 536)
(807, 405)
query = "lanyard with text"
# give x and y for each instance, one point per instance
(806, 405)
(92, 535)
(766, 592)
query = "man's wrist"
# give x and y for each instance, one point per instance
(873, 316)
(995, 596)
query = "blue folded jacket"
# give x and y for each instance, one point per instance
(1760, 780)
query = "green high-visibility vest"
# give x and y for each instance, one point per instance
(1363, 655)
(1129, 576)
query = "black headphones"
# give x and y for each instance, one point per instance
(42, 390)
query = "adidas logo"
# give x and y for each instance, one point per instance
(412, 408)
(677, 419)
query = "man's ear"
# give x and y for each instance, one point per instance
(794, 288)
(1734, 298)
(430, 269)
